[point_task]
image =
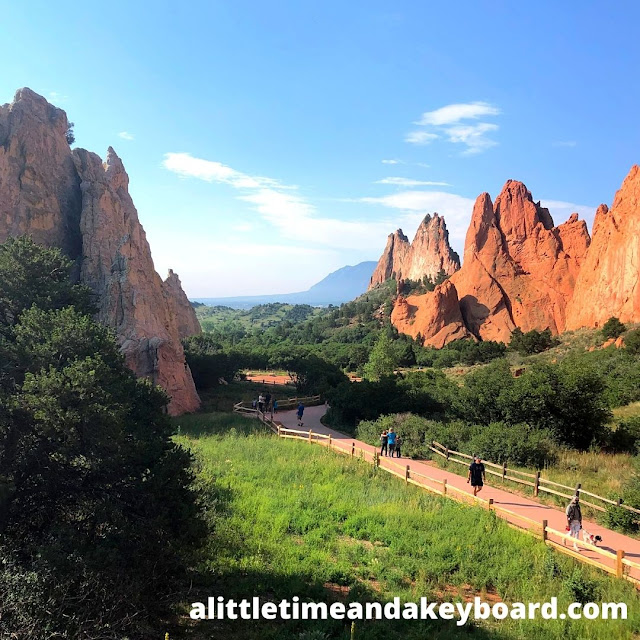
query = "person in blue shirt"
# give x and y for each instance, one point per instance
(391, 439)
(300, 412)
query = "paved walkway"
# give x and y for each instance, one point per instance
(529, 508)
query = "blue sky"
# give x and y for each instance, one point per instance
(269, 143)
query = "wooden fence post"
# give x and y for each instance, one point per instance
(444, 487)
(490, 504)
(278, 431)
(447, 454)
(504, 471)
(619, 565)
(536, 486)
(578, 489)
(619, 502)
(544, 530)
(329, 441)
(406, 475)
(310, 436)
(353, 449)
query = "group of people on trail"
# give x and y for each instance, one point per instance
(390, 443)
(265, 403)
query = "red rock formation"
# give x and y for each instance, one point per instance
(518, 271)
(427, 255)
(434, 318)
(392, 259)
(185, 315)
(608, 281)
(73, 201)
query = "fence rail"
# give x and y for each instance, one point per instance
(539, 483)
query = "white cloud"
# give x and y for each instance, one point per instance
(392, 162)
(448, 122)
(473, 136)
(561, 210)
(420, 137)
(58, 98)
(415, 204)
(453, 113)
(125, 135)
(281, 206)
(408, 182)
(564, 143)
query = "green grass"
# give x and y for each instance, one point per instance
(223, 397)
(290, 519)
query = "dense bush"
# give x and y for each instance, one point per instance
(466, 352)
(623, 519)
(532, 341)
(97, 515)
(613, 328)
(497, 442)
(632, 342)
(567, 399)
(208, 362)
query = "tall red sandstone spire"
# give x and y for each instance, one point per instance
(428, 254)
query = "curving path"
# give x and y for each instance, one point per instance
(517, 505)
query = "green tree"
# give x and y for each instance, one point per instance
(613, 328)
(383, 359)
(95, 499)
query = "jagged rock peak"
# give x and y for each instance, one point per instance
(428, 254)
(184, 312)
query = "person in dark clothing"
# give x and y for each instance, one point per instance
(398, 445)
(476, 476)
(267, 401)
(574, 519)
(300, 412)
(384, 439)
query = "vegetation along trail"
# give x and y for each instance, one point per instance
(516, 509)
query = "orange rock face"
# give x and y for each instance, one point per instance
(518, 271)
(434, 319)
(72, 200)
(608, 281)
(427, 255)
(185, 315)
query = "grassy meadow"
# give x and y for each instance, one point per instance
(289, 519)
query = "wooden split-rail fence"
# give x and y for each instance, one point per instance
(613, 563)
(533, 480)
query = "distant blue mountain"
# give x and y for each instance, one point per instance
(340, 286)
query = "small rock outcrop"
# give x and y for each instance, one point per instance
(434, 318)
(183, 311)
(608, 283)
(74, 201)
(428, 255)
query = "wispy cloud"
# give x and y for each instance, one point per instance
(57, 98)
(408, 182)
(281, 205)
(561, 210)
(564, 143)
(414, 204)
(420, 137)
(125, 135)
(392, 161)
(451, 123)
(453, 113)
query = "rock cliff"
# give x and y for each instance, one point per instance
(72, 200)
(428, 254)
(611, 269)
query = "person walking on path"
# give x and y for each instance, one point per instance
(261, 403)
(275, 406)
(398, 445)
(574, 519)
(267, 401)
(384, 439)
(476, 476)
(391, 439)
(300, 413)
